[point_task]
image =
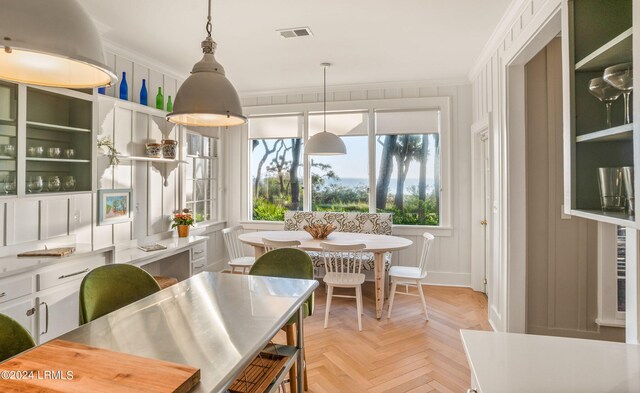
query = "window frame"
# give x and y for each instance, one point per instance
(608, 314)
(441, 104)
(214, 177)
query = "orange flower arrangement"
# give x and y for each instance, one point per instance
(184, 218)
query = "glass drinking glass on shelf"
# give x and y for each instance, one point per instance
(10, 185)
(54, 183)
(621, 77)
(9, 150)
(35, 184)
(54, 152)
(610, 182)
(35, 151)
(68, 183)
(69, 153)
(606, 93)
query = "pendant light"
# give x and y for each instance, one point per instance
(51, 43)
(325, 143)
(207, 98)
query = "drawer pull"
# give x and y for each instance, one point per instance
(198, 252)
(199, 267)
(73, 274)
(3, 294)
(46, 318)
(472, 391)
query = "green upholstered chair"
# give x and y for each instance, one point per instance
(13, 338)
(288, 263)
(110, 287)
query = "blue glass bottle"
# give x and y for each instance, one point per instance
(143, 93)
(124, 88)
(102, 90)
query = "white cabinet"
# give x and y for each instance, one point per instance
(198, 258)
(22, 310)
(58, 311)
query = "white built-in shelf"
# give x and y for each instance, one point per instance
(4, 120)
(7, 158)
(617, 218)
(46, 159)
(151, 110)
(55, 127)
(619, 133)
(616, 51)
(150, 159)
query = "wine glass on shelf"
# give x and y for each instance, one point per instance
(10, 185)
(605, 93)
(621, 77)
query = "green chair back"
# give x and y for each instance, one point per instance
(13, 338)
(110, 287)
(287, 263)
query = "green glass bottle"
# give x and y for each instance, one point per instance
(160, 99)
(169, 104)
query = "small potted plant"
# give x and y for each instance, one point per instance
(182, 220)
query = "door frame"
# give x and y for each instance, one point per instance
(513, 233)
(479, 235)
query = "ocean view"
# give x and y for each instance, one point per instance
(355, 182)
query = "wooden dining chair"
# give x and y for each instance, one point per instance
(237, 259)
(412, 275)
(110, 287)
(289, 262)
(14, 338)
(343, 265)
(270, 244)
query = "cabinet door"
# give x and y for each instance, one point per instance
(23, 311)
(58, 311)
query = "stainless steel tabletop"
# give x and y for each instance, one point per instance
(213, 321)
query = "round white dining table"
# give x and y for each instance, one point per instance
(376, 244)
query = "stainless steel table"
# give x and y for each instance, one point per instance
(214, 321)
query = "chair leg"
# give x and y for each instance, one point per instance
(326, 314)
(392, 296)
(292, 371)
(424, 301)
(359, 306)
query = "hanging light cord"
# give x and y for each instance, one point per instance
(208, 46)
(324, 110)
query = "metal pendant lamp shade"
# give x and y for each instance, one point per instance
(51, 43)
(207, 98)
(325, 143)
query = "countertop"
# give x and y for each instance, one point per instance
(213, 321)
(134, 255)
(524, 363)
(13, 264)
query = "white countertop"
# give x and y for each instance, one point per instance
(523, 363)
(13, 264)
(134, 255)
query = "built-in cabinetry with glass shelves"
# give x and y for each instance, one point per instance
(596, 34)
(46, 140)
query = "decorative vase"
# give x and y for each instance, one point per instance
(160, 99)
(143, 93)
(183, 230)
(124, 88)
(169, 104)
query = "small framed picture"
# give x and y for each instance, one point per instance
(114, 206)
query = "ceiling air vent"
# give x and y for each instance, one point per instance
(295, 32)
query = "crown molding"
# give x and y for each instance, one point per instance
(358, 87)
(513, 12)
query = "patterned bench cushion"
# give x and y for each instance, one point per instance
(375, 223)
(368, 260)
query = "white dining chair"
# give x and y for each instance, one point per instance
(270, 244)
(412, 276)
(237, 259)
(343, 264)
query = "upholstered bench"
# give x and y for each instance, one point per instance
(373, 223)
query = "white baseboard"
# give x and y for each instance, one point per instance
(448, 279)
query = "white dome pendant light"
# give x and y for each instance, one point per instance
(51, 43)
(325, 143)
(207, 98)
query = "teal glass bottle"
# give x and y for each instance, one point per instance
(169, 104)
(124, 88)
(160, 99)
(143, 93)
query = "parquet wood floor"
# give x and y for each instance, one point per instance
(403, 354)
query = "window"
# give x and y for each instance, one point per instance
(397, 160)
(201, 183)
(275, 146)
(341, 183)
(408, 166)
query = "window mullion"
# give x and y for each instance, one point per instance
(372, 161)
